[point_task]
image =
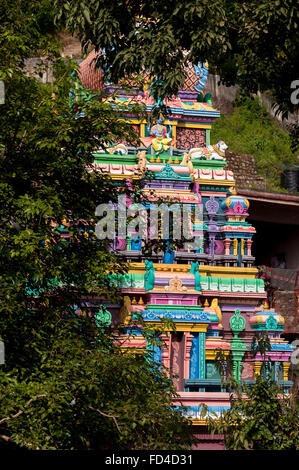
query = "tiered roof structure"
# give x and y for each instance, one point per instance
(209, 289)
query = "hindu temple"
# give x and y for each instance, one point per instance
(209, 289)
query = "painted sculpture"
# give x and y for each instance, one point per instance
(160, 142)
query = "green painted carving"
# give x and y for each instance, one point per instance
(204, 282)
(225, 284)
(168, 173)
(211, 371)
(149, 277)
(195, 271)
(237, 285)
(250, 285)
(213, 283)
(102, 318)
(271, 323)
(237, 324)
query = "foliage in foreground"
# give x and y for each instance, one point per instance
(260, 417)
(87, 397)
(64, 385)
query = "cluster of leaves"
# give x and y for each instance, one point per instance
(159, 38)
(64, 384)
(261, 416)
(85, 396)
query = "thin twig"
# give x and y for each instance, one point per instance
(107, 416)
(8, 418)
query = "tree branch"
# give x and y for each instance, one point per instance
(107, 416)
(8, 418)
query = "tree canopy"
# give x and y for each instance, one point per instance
(253, 43)
(65, 383)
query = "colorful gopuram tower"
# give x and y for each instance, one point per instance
(208, 288)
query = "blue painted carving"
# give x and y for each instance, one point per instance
(194, 357)
(136, 244)
(178, 315)
(202, 355)
(202, 71)
(168, 254)
(157, 353)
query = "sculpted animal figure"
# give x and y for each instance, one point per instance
(194, 270)
(119, 149)
(219, 151)
(215, 152)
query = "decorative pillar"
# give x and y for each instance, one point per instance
(202, 355)
(276, 371)
(142, 129)
(286, 366)
(174, 136)
(235, 246)
(208, 140)
(249, 244)
(257, 367)
(237, 324)
(165, 356)
(187, 352)
(194, 357)
(212, 207)
(242, 246)
(227, 242)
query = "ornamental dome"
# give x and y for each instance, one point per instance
(267, 320)
(235, 205)
(90, 76)
(93, 78)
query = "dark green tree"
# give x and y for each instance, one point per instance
(65, 384)
(253, 43)
(261, 416)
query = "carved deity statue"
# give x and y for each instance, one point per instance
(217, 309)
(125, 311)
(149, 277)
(161, 140)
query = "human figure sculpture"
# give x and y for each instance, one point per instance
(187, 161)
(141, 161)
(149, 277)
(161, 141)
(194, 270)
(217, 309)
(125, 311)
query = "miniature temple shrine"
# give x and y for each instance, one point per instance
(209, 290)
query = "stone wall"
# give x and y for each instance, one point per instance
(244, 169)
(287, 304)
